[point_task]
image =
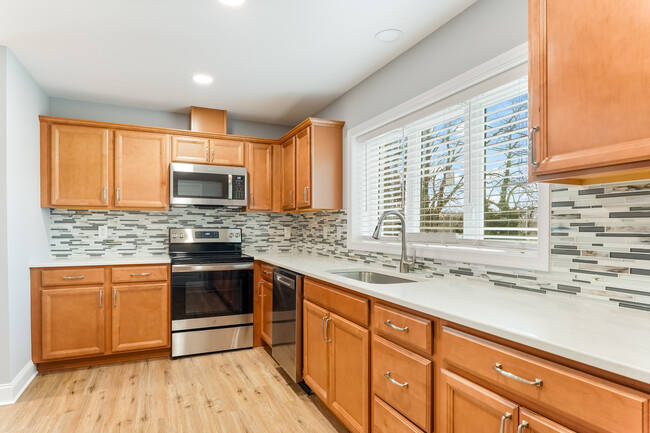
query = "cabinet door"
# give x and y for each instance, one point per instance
(267, 312)
(72, 322)
(303, 168)
(193, 150)
(80, 166)
(140, 317)
(259, 177)
(469, 407)
(141, 170)
(349, 373)
(316, 359)
(227, 152)
(589, 81)
(289, 174)
(257, 305)
(530, 422)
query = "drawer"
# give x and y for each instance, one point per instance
(602, 405)
(136, 274)
(344, 304)
(72, 276)
(385, 419)
(392, 367)
(403, 327)
(267, 272)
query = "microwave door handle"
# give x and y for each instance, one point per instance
(230, 187)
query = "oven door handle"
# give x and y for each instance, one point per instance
(215, 267)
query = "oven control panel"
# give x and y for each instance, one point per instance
(205, 235)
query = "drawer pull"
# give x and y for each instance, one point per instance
(397, 328)
(141, 274)
(497, 368)
(508, 415)
(522, 426)
(78, 277)
(393, 381)
(265, 272)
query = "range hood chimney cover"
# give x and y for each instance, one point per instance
(208, 120)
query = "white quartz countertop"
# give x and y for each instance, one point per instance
(100, 261)
(594, 333)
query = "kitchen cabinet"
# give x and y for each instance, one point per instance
(336, 364)
(141, 170)
(227, 152)
(72, 322)
(92, 167)
(267, 312)
(312, 166)
(289, 174)
(260, 177)
(98, 314)
(79, 166)
(140, 317)
(589, 97)
(192, 150)
(531, 422)
(472, 408)
(262, 305)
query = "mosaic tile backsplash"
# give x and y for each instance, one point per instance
(600, 239)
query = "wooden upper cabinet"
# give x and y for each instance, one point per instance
(469, 407)
(79, 166)
(141, 170)
(140, 318)
(530, 422)
(72, 322)
(589, 90)
(260, 181)
(303, 169)
(193, 150)
(227, 152)
(289, 174)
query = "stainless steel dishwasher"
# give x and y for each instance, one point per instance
(287, 322)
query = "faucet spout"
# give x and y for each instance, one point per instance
(404, 265)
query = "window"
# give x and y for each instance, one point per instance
(458, 170)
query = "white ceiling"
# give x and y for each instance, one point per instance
(272, 60)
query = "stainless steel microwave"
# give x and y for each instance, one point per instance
(207, 185)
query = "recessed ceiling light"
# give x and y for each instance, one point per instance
(389, 35)
(232, 2)
(202, 79)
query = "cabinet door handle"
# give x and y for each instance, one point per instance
(304, 194)
(397, 328)
(498, 368)
(322, 328)
(327, 338)
(291, 197)
(207, 153)
(394, 382)
(212, 153)
(101, 299)
(105, 195)
(252, 201)
(141, 274)
(522, 426)
(508, 415)
(117, 195)
(114, 298)
(531, 146)
(259, 292)
(76, 277)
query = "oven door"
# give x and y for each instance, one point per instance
(206, 296)
(200, 184)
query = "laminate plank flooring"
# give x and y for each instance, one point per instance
(231, 392)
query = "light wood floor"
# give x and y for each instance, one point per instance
(229, 392)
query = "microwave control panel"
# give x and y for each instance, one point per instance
(239, 187)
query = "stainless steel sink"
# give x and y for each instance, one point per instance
(371, 277)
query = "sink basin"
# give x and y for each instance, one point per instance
(371, 277)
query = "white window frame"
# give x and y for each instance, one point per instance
(538, 259)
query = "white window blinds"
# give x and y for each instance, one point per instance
(458, 174)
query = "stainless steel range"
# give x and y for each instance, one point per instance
(211, 291)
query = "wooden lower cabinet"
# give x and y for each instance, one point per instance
(530, 422)
(267, 312)
(72, 322)
(469, 407)
(385, 419)
(140, 318)
(336, 365)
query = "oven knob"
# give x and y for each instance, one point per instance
(182, 235)
(174, 235)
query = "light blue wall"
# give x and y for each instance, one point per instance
(74, 109)
(5, 375)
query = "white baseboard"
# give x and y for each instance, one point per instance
(10, 392)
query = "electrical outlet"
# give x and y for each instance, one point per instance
(339, 233)
(287, 232)
(102, 232)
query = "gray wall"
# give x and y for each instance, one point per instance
(481, 32)
(74, 109)
(23, 224)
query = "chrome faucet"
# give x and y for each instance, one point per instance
(404, 265)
